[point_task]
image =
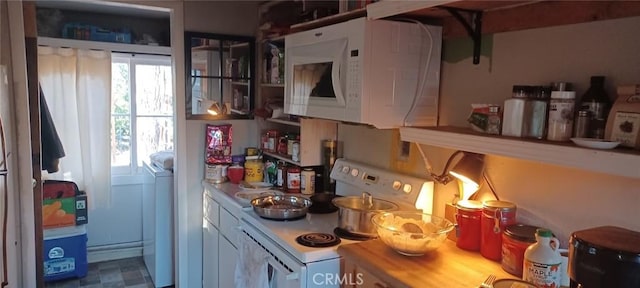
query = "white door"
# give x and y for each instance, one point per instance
(228, 260)
(210, 256)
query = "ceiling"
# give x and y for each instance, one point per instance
(105, 7)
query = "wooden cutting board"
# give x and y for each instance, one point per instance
(448, 266)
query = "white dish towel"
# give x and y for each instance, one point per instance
(252, 266)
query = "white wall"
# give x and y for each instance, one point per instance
(224, 17)
(563, 199)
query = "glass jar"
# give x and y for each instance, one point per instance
(513, 114)
(537, 116)
(272, 141)
(515, 240)
(561, 115)
(293, 179)
(597, 102)
(496, 216)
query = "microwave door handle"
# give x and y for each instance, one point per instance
(335, 76)
(274, 264)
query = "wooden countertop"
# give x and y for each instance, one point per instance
(448, 266)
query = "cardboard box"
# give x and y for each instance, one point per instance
(623, 123)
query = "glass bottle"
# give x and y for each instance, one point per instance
(596, 100)
(493, 121)
(538, 104)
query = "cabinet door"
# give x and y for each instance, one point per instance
(228, 260)
(210, 255)
(229, 226)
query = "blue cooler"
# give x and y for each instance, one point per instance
(65, 253)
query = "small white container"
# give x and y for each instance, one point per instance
(542, 261)
(561, 115)
(513, 117)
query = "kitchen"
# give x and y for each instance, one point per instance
(611, 199)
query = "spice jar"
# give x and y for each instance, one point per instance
(468, 214)
(496, 216)
(272, 141)
(514, 112)
(515, 240)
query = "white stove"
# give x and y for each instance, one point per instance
(296, 265)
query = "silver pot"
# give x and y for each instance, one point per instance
(281, 207)
(354, 214)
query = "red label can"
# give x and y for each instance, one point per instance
(515, 240)
(496, 216)
(468, 214)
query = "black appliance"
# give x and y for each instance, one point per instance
(604, 257)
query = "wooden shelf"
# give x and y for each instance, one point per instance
(333, 19)
(284, 121)
(620, 161)
(285, 158)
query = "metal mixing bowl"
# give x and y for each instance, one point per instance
(281, 207)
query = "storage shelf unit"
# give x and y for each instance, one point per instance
(284, 121)
(312, 133)
(620, 161)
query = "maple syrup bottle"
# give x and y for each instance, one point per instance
(597, 102)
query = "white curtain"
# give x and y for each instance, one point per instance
(77, 87)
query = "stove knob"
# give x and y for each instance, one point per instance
(355, 172)
(396, 185)
(406, 188)
(345, 169)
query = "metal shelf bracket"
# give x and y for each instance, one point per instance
(473, 24)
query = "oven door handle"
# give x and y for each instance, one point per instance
(290, 276)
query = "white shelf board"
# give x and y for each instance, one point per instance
(109, 46)
(620, 161)
(387, 8)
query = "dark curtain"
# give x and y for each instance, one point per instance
(52, 149)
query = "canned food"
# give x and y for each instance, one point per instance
(515, 240)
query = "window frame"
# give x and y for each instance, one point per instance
(123, 173)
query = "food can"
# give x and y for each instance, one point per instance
(515, 240)
(468, 214)
(496, 216)
(215, 173)
(308, 181)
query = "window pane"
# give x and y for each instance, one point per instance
(120, 91)
(120, 141)
(154, 134)
(154, 94)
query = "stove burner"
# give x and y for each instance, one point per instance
(342, 233)
(318, 240)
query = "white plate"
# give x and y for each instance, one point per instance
(256, 186)
(595, 143)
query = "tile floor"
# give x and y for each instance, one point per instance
(129, 273)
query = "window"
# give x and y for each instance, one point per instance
(141, 110)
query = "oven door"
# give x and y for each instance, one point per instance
(282, 269)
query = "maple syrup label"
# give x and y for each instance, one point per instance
(542, 275)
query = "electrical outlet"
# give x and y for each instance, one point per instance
(450, 214)
(403, 152)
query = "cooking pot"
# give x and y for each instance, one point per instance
(322, 203)
(355, 212)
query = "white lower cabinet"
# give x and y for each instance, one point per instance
(228, 259)
(219, 256)
(210, 254)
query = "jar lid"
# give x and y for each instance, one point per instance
(563, 94)
(521, 232)
(252, 157)
(469, 205)
(498, 205)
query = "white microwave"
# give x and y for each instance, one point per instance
(376, 72)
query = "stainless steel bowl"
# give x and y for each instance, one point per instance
(281, 207)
